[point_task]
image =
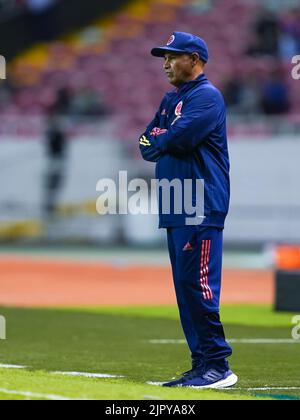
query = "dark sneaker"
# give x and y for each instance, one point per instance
(210, 379)
(196, 370)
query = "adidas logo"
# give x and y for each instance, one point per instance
(188, 247)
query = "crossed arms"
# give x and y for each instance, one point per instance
(198, 119)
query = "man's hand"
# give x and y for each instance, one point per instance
(156, 131)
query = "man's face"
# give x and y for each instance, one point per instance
(178, 68)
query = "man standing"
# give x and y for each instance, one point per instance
(188, 140)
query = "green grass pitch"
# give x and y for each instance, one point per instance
(117, 341)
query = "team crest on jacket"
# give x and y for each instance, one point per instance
(178, 109)
(178, 113)
(171, 40)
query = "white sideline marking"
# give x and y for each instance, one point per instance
(264, 341)
(151, 397)
(155, 383)
(29, 394)
(167, 341)
(80, 374)
(12, 367)
(234, 341)
(87, 375)
(293, 388)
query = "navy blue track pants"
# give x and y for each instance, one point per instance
(196, 258)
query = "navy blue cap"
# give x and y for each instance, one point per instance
(182, 42)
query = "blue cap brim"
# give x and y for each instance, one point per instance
(161, 51)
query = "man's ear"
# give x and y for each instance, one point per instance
(195, 58)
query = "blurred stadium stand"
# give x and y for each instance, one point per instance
(110, 57)
(115, 86)
(43, 20)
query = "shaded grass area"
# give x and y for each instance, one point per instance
(50, 386)
(116, 341)
(251, 315)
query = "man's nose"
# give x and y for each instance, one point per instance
(166, 64)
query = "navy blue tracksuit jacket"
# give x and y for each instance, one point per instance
(188, 141)
(187, 138)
